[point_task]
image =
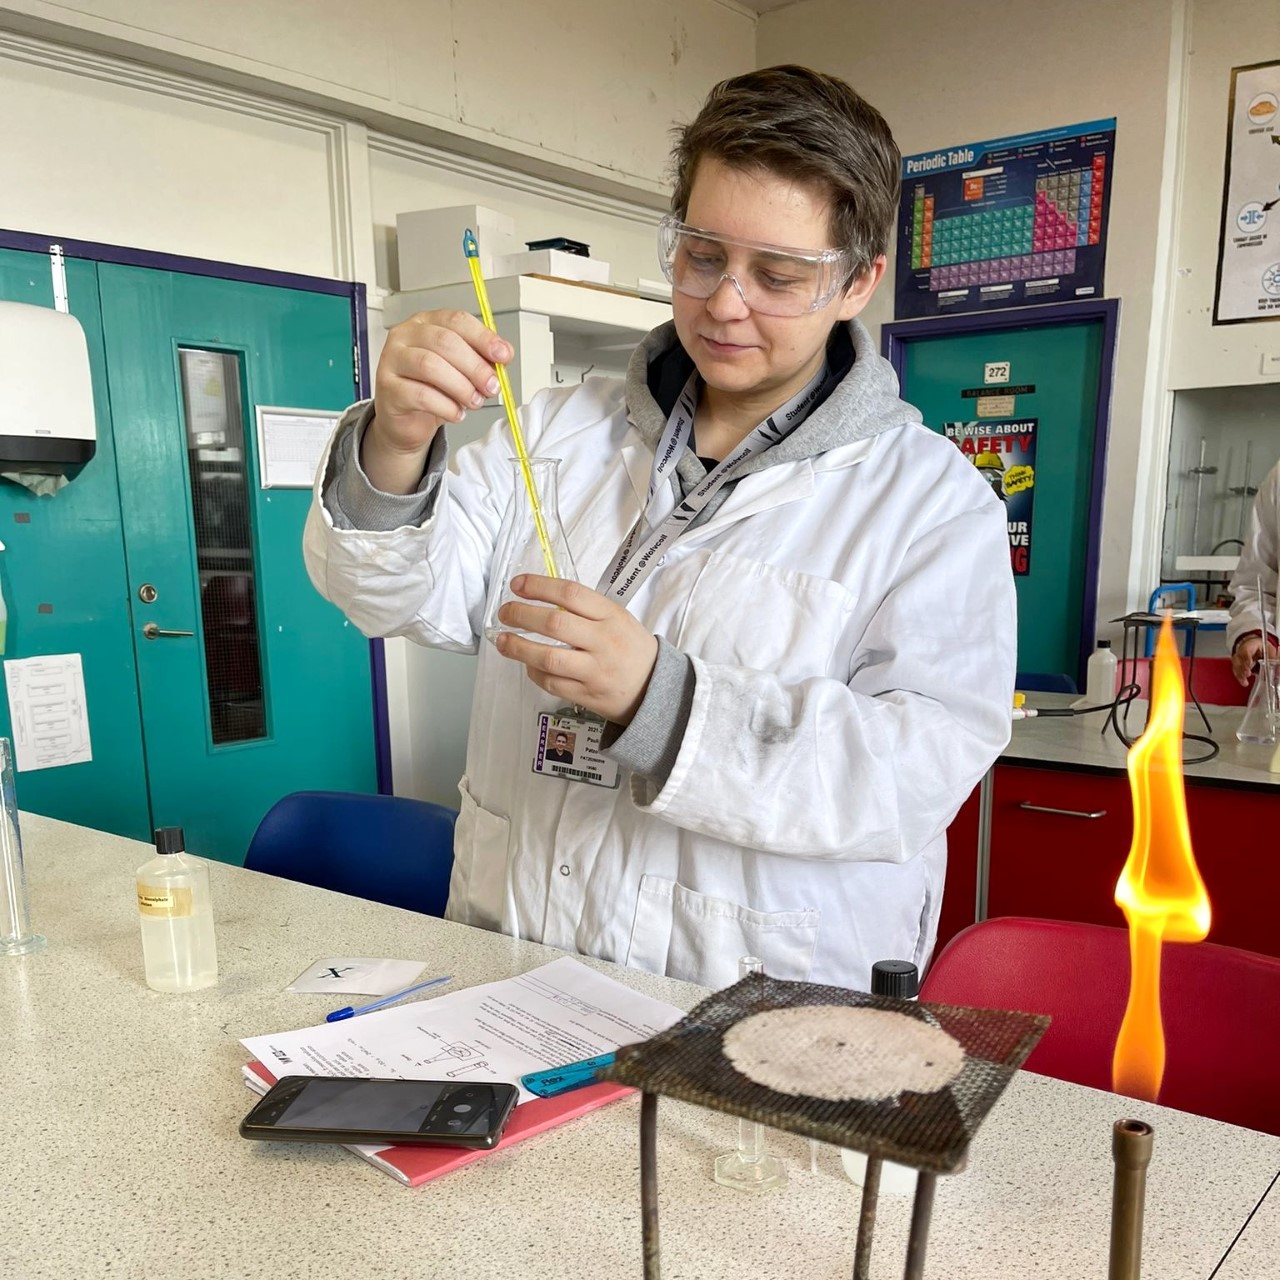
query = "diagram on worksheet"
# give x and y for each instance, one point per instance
(561, 1012)
(1004, 223)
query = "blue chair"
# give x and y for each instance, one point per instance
(1045, 682)
(386, 848)
(1161, 598)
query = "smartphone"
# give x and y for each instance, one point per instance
(434, 1113)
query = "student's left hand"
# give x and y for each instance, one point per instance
(607, 667)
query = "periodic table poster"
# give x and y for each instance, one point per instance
(1005, 223)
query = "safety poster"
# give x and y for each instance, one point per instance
(1005, 456)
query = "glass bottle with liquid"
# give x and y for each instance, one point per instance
(175, 909)
(1261, 713)
(530, 541)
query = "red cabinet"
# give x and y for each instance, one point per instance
(960, 895)
(1236, 838)
(1059, 840)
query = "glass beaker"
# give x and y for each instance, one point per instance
(16, 937)
(1263, 708)
(523, 551)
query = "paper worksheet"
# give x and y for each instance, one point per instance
(48, 710)
(562, 1012)
(291, 443)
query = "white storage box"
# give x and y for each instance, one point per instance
(430, 244)
(552, 262)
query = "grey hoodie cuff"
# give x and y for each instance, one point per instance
(354, 503)
(648, 746)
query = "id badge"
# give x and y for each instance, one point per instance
(568, 747)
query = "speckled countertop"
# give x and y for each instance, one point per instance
(121, 1156)
(1257, 1252)
(1078, 742)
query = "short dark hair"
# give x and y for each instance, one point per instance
(807, 126)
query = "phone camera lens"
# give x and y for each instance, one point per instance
(462, 1108)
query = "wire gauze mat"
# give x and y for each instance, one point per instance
(907, 1081)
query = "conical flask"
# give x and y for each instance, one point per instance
(528, 548)
(1263, 708)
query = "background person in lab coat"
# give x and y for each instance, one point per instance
(1259, 559)
(800, 660)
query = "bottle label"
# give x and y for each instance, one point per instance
(166, 903)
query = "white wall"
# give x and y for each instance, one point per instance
(1223, 34)
(966, 70)
(576, 89)
(95, 150)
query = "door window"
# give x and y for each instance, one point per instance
(219, 473)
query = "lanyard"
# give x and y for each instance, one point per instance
(636, 558)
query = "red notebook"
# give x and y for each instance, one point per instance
(416, 1165)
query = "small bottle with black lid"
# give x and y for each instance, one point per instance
(901, 979)
(175, 909)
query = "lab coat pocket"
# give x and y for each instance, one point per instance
(699, 938)
(749, 614)
(478, 886)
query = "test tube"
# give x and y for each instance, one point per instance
(16, 937)
(749, 1168)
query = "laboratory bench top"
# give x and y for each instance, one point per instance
(122, 1156)
(1259, 1245)
(1086, 744)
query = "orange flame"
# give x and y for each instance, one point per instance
(1160, 889)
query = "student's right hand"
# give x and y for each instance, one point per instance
(1247, 652)
(434, 367)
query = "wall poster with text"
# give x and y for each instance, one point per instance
(1005, 455)
(1248, 285)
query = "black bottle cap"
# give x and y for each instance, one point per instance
(1104, 644)
(169, 840)
(895, 978)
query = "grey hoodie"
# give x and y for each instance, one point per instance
(859, 399)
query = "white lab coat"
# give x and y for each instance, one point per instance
(1259, 558)
(850, 619)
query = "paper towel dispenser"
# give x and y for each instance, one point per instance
(46, 391)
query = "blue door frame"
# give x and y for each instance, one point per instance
(92, 251)
(895, 337)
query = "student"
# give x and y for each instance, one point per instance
(794, 632)
(1259, 557)
(559, 751)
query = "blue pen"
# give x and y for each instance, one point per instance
(350, 1012)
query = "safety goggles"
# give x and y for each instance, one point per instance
(772, 280)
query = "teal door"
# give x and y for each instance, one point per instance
(216, 679)
(250, 685)
(1030, 423)
(64, 582)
